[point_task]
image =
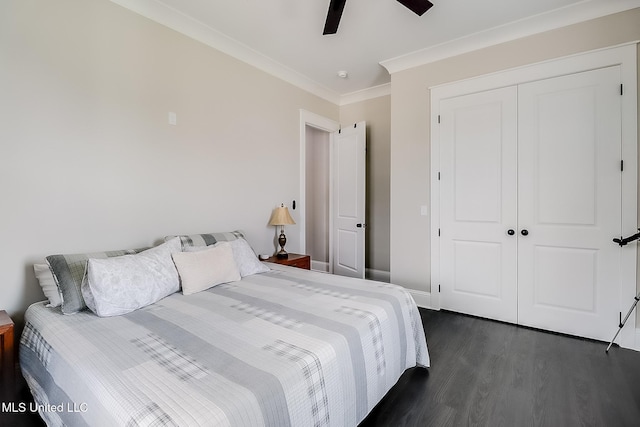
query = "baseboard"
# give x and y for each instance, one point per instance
(320, 266)
(378, 275)
(636, 347)
(422, 299)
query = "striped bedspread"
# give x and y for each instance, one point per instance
(288, 347)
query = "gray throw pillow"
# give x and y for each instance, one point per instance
(207, 239)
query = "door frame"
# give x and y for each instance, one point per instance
(626, 57)
(324, 124)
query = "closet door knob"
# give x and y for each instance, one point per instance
(524, 232)
(511, 232)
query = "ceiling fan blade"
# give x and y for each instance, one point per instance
(419, 7)
(333, 16)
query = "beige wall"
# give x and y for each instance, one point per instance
(377, 113)
(88, 161)
(410, 114)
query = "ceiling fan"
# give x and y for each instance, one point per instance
(336, 7)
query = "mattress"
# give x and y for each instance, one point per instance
(288, 347)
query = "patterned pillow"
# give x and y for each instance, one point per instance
(207, 239)
(68, 271)
(120, 285)
(246, 259)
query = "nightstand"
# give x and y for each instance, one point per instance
(7, 364)
(294, 260)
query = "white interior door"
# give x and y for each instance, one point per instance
(569, 199)
(478, 140)
(348, 195)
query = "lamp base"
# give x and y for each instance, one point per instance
(282, 240)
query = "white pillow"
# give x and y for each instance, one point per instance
(48, 284)
(247, 261)
(206, 268)
(119, 285)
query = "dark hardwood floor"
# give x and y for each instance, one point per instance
(13, 394)
(486, 373)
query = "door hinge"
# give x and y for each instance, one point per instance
(621, 165)
(438, 118)
(621, 89)
(438, 232)
(439, 288)
(438, 176)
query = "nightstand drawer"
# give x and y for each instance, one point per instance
(302, 263)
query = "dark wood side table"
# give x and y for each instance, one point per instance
(294, 260)
(7, 352)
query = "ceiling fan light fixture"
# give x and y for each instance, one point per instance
(333, 16)
(419, 7)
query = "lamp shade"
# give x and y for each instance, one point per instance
(281, 216)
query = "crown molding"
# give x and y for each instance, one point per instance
(365, 94)
(572, 14)
(169, 17)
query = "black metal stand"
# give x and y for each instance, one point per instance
(624, 240)
(622, 322)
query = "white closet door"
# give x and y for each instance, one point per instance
(478, 204)
(569, 203)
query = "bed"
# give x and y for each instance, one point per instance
(285, 347)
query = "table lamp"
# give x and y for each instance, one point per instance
(281, 217)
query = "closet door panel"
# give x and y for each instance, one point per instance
(569, 189)
(478, 204)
